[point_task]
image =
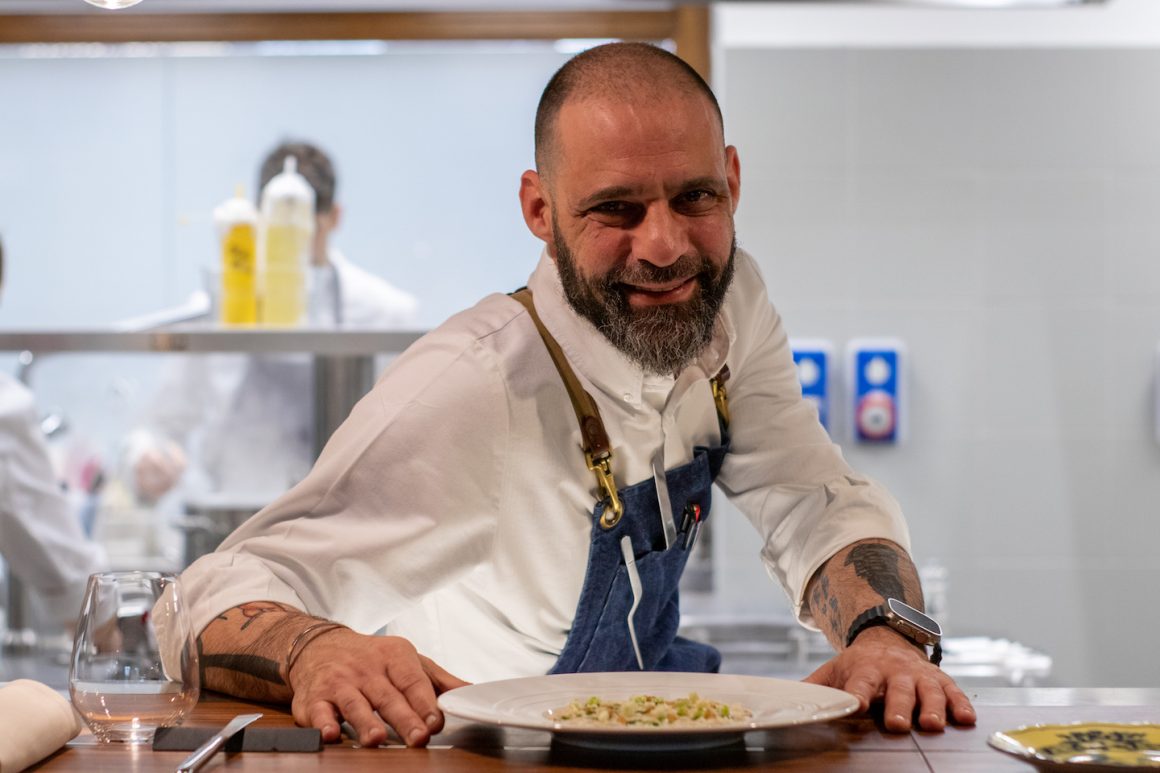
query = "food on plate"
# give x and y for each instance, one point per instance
(651, 711)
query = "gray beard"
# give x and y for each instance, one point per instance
(662, 339)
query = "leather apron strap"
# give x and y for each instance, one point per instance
(597, 448)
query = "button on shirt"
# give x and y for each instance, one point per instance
(454, 505)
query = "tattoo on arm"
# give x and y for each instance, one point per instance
(242, 651)
(255, 609)
(861, 576)
(877, 564)
(200, 659)
(824, 605)
(250, 665)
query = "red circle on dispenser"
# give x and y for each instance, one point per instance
(875, 415)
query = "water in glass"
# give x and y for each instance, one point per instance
(134, 663)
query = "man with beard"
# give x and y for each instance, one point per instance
(490, 500)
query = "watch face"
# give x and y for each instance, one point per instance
(915, 618)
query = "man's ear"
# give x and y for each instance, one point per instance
(536, 208)
(329, 221)
(733, 175)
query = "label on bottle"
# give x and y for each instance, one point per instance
(239, 300)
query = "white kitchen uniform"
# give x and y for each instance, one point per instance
(40, 535)
(246, 420)
(453, 506)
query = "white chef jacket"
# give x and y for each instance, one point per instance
(40, 535)
(246, 420)
(454, 504)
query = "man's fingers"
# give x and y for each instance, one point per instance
(900, 700)
(961, 709)
(400, 715)
(321, 714)
(415, 713)
(391, 706)
(407, 700)
(864, 685)
(355, 709)
(932, 704)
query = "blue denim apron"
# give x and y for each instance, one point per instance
(599, 639)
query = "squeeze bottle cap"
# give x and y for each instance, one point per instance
(288, 197)
(234, 211)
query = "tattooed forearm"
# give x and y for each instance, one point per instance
(252, 665)
(877, 564)
(243, 650)
(857, 578)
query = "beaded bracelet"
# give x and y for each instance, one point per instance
(300, 641)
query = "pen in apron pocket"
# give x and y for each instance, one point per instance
(690, 524)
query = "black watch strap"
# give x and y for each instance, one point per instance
(880, 615)
(868, 619)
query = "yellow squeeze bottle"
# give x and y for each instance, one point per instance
(285, 239)
(237, 221)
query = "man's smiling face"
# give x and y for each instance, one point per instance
(641, 196)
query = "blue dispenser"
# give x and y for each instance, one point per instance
(813, 356)
(877, 379)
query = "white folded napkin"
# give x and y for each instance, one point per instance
(35, 721)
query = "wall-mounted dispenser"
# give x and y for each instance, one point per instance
(813, 356)
(877, 388)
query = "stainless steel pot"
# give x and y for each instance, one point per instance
(207, 522)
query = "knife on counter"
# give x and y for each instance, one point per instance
(215, 743)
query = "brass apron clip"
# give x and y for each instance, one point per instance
(602, 466)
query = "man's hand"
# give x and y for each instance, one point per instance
(269, 651)
(368, 680)
(880, 664)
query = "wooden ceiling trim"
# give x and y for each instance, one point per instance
(127, 26)
(692, 37)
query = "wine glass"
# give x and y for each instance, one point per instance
(134, 661)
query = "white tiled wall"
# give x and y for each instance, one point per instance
(999, 210)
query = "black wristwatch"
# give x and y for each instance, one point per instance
(906, 620)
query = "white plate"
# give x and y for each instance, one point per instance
(527, 703)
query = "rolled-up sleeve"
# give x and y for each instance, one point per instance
(784, 473)
(403, 501)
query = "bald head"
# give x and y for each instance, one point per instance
(627, 72)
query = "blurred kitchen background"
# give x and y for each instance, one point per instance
(980, 185)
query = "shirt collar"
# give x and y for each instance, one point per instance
(593, 356)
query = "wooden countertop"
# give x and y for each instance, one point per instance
(855, 744)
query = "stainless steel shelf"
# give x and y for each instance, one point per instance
(344, 371)
(190, 338)
(343, 357)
